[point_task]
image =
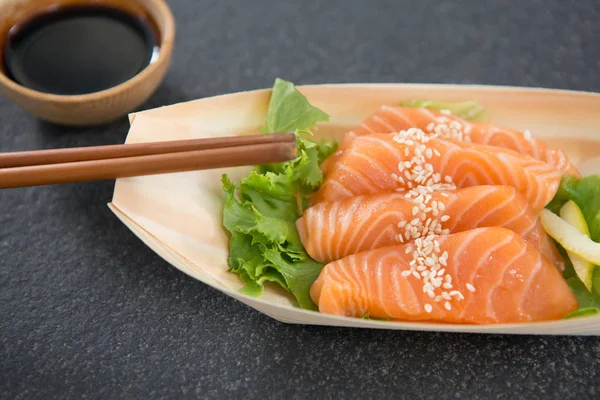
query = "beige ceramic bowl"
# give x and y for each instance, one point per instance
(99, 107)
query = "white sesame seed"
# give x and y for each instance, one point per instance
(447, 306)
(430, 294)
(416, 275)
(401, 224)
(446, 295)
(470, 287)
(406, 273)
(428, 308)
(445, 218)
(447, 285)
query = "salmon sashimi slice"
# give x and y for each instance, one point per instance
(389, 119)
(330, 231)
(481, 276)
(383, 163)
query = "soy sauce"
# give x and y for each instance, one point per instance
(79, 49)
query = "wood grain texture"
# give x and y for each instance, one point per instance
(146, 165)
(195, 200)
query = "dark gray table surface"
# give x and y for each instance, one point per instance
(86, 310)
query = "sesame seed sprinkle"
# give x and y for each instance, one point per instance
(421, 182)
(446, 128)
(470, 287)
(428, 308)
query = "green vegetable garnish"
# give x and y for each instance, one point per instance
(583, 312)
(260, 212)
(469, 110)
(585, 192)
(289, 110)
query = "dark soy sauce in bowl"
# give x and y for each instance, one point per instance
(79, 49)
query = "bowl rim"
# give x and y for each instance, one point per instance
(167, 41)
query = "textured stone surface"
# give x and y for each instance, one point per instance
(87, 311)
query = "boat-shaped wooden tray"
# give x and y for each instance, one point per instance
(179, 215)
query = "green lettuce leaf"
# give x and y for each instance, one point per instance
(469, 110)
(260, 212)
(583, 312)
(585, 192)
(289, 110)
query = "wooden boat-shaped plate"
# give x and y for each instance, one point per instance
(179, 215)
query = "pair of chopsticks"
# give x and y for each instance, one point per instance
(45, 167)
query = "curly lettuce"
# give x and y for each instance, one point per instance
(260, 212)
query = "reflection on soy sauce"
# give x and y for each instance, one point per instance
(79, 49)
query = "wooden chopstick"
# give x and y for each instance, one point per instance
(223, 156)
(56, 156)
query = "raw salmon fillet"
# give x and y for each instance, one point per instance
(389, 119)
(330, 231)
(481, 276)
(378, 163)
